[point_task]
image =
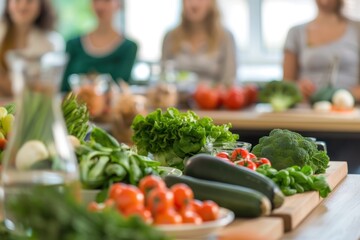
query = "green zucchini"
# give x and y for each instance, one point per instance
(323, 94)
(211, 168)
(244, 202)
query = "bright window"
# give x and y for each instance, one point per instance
(75, 17)
(148, 21)
(278, 16)
(235, 17)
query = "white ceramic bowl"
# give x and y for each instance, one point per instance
(202, 231)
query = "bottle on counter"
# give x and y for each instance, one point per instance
(39, 154)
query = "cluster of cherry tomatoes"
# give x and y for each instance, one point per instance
(233, 98)
(157, 204)
(243, 157)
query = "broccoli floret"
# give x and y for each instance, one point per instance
(285, 148)
(281, 95)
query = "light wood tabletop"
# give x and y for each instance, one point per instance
(337, 217)
(302, 118)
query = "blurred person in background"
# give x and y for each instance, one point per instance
(311, 49)
(201, 44)
(26, 25)
(105, 50)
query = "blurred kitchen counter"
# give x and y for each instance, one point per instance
(302, 118)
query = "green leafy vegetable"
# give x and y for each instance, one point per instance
(10, 108)
(76, 116)
(285, 148)
(280, 94)
(65, 219)
(172, 136)
(103, 161)
(295, 179)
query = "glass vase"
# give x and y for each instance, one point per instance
(39, 153)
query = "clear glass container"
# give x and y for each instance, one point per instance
(39, 152)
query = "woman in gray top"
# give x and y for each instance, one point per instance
(329, 41)
(200, 43)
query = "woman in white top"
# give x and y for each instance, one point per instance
(311, 50)
(201, 44)
(26, 25)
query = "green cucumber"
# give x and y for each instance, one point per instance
(211, 168)
(244, 202)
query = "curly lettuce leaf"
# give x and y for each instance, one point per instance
(172, 132)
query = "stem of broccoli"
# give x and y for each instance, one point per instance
(280, 103)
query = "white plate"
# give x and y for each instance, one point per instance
(202, 231)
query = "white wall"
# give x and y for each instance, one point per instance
(2, 4)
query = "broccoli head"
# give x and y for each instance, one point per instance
(281, 95)
(285, 148)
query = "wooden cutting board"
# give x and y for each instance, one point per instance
(297, 207)
(270, 228)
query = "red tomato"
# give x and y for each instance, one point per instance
(150, 182)
(196, 205)
(252, 156)
(189, 216)
(206, 97)
(247, 163)
(139, 211)
(234, 98)
(222, 155)
(130, 196)
(264, 161)
(115, 190)
(159, 200)
(183, 195)
(222, 93)
(251, 93)
(170, 216)
(209, 211)
(239, 153)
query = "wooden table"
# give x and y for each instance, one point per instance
(340, 131)
(302, 118)
(337, 217)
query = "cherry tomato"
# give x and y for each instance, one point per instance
(234, 98)
(183, 195)
(129, 197)
(115, 190)
(170, 216)
(223, 155)
(209, 211)
(150, 182)
(159, 200)
(239, 153)
(247, 163)
(196, 205)
(252, 156)
(264, 161)
(139, 211)
(190, 216)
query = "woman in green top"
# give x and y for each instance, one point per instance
(104, 50)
